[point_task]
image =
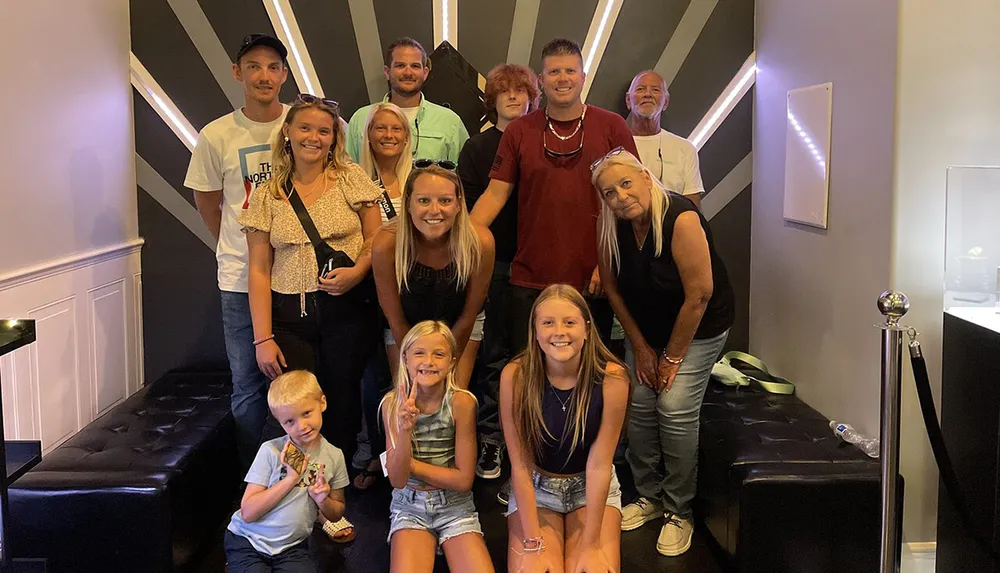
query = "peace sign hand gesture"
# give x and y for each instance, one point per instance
(409, 413)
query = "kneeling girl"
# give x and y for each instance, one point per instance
(562, 405)
(431, 457)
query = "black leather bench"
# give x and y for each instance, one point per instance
(779, 492)
(142, 489)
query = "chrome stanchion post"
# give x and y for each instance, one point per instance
(893, 305)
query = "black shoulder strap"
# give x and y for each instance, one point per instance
(303, 214)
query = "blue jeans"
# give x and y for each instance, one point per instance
(241, 557)
(663, 429)
(249, 401)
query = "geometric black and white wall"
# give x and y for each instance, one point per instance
(187, 47)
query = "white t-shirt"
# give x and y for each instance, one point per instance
(411, 113)
(675, 157)
(233, 153)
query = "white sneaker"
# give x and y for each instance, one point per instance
(639, 512)
(675, 536)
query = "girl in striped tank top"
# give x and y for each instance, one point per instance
(431, 457)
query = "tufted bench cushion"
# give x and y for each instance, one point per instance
(140, 489)
(779, 492)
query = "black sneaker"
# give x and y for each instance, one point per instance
(503, 496)
(490, 457)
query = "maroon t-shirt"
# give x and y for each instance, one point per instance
(557, 206)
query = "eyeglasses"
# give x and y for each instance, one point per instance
(616, 151)
(579, 129)
(311, 99)
(443, 164)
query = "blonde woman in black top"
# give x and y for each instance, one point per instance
(672, 295)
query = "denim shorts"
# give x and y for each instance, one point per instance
(445, 514)
(476, 336)
(566, 494)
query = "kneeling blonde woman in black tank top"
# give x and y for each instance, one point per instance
(562, 404)
(435, 265)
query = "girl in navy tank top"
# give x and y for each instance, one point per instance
(562, 404)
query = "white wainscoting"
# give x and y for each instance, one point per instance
(88, 353)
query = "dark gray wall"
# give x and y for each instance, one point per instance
(181, 301)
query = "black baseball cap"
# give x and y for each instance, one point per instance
(254, 40)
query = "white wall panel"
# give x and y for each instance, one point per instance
(87, 356)
(108, 346)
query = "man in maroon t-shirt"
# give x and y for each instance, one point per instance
(548, 153)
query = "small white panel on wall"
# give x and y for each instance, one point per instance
(56, 362)
(109, 345)
(807, 155)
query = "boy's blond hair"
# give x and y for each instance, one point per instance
(292, 387)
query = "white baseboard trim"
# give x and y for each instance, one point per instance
(68, 263)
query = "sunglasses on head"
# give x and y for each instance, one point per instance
(310, 99)
(443, 164)
(616, 151)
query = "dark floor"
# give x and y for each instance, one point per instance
(369, 511)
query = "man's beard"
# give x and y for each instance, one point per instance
(404, 92)
(266, 100)
(637, 110)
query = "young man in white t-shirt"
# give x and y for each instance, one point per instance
(670, 157)
(232, 157)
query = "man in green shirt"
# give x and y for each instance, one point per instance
(438, 132)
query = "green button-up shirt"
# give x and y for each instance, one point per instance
(438, 132)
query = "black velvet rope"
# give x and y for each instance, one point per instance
(945, 468)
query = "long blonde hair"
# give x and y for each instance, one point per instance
(463, 241)
(607, 223)
(404, 163)
(530, 378)
(394, 400)
(282, 161)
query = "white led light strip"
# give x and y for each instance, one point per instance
(601, 25)
(164, 107)
(287, 28)
(445, 14)
(723, 106)
(808, 141)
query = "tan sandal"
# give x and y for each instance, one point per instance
(332, 528)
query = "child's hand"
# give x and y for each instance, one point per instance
(320, 490)
(288, 468)
(409, 413)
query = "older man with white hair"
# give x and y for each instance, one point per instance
(671, 158)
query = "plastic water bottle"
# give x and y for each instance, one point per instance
(869, 446)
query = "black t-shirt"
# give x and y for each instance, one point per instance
(474, 168)
(651, 286)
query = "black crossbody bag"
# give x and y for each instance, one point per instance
(327, 257)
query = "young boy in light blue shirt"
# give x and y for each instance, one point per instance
(270, 531)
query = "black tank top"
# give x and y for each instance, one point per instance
(555, 456)
(432, 294)
(651, 286)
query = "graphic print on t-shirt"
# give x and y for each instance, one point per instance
(259, 156)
